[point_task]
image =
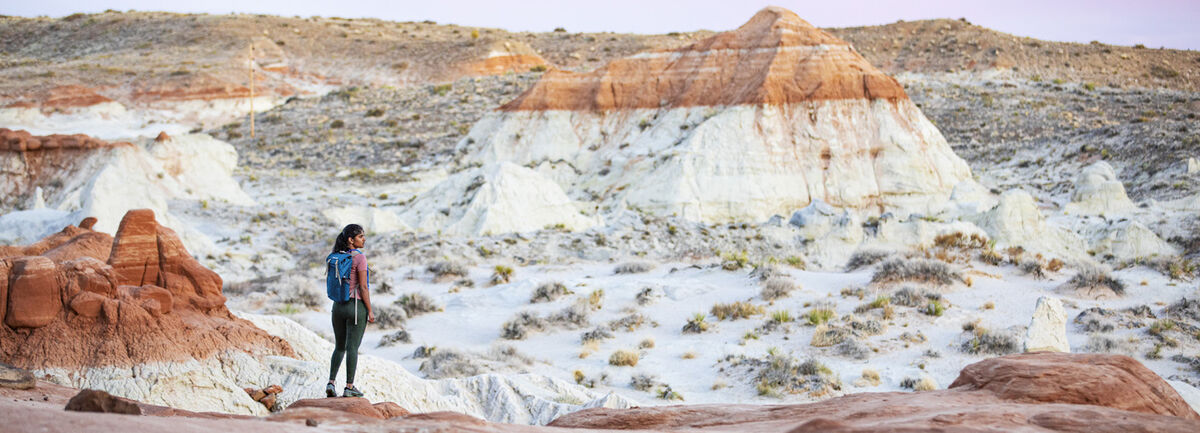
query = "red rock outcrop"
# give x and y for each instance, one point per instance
(32, 161)
(774, 59)
(69, 96)
(147, 301)
(1041, 391)
(22, 141)
(354, 405)
(502, 57)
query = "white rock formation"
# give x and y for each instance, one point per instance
(1189, 393)
(216, 384)
(108, 182)
(754, 122)
(1125, 240)
(1048, 327)
(522, 399)
(1016, 221)
(497, 198)
(1098, 191)
(1193, 166)
(374, 220)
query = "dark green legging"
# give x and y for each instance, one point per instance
(347, 336)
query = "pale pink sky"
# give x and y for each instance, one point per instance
(1155, 23)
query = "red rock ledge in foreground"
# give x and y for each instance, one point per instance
(1028, 392)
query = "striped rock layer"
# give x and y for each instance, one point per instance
(758, 121)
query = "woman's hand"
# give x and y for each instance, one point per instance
(370, 316)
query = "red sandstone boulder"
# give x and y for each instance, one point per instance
(1071, 378)
(354, 405)
(34, 293)
(999, 394)
(390, 410)
(90, 400)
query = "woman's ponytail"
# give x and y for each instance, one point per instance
(342, 243)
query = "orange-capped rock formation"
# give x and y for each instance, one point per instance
(83, 299)
(776, 58)
(502, 57)
(69, 96)
(33, 161)
(759, 121)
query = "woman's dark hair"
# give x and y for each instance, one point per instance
(342, 243)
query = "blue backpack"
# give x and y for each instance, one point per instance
(337, 275)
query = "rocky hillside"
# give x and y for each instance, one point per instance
(131, 55)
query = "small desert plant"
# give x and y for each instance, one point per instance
(925, 383)
(1107, 344)
(595, 299)
(450, 363)
(389, 317)
(299, 293)
(865, 257)
(878, 303)
(736, 310)
(647, 343)
(416, 304)
(628, 323)
(521, 326)
(922, 270)
(1054, 265)
(501, 275)
(549, 292)
(643, 382)
(646, 296)
(667, 394)
(870, 377)
(622, 358)
(825, 335)
(446, 271)
(934, 308)
(996, 343)
(958, 240)
(1014, 254)
(796, 262)
(781, 316)
(765, 272)
(574, 316)
(590, 382)
(734, 261)
(633, 268)
(1093, 278)
(852, 348)
(595, 335)
(817, 316)
(912, 297)
(777, 287)
(424, 352)
(991, 257)
(395, 338)
(696, 324)
(1033, 268)
(1161, 326)
(691, 354)
(867, 327)
(784, 374)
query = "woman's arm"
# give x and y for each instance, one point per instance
(366, 294)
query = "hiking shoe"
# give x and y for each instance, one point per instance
(351, 392)
(330, 390)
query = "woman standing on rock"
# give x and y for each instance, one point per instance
(350, 318)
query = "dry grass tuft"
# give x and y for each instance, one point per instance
(623, 358)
